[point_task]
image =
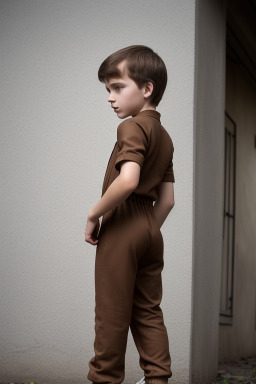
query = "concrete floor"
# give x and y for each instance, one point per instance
(241, 371)
(237, 371)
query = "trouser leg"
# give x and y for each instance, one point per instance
(128, 292)
(115, 272)
(147, 323)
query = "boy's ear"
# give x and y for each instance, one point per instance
(148, 89)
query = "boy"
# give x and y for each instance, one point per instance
(129, 255)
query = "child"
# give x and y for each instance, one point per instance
(129, 255)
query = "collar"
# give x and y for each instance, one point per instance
(150, 112)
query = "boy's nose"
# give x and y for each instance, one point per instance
(111, 98)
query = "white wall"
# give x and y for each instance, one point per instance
(208, 191)
(56, 137)
(239, 340)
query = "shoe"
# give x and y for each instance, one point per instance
(142, 381)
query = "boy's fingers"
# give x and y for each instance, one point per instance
(89, 239)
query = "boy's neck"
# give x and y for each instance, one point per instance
(148, 106)
(146, 109)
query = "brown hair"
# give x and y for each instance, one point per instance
(142, 64)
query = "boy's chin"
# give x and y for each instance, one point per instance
(123, 115)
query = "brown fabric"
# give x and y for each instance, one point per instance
(128, 292)
(144, 140)
(129, 260)
(156, 380)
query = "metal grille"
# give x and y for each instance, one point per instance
(227, 278)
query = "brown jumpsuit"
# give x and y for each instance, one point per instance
(129, 258)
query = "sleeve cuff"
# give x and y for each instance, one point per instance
(169, 177)
(128, 157)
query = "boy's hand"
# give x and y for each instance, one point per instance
(92, 230)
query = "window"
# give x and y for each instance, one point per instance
(227, 278)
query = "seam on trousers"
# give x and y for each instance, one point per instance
(138, 339)
(101, 293)
(98, 333)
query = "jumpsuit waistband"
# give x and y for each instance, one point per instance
(140, 199)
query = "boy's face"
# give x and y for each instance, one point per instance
(125, 96)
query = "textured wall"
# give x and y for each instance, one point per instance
(56, 138)
(209, 176)
(239, 340)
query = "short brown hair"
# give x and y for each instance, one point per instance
(142, 64)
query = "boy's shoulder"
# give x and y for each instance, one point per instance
(131, 126)
(147, 123)
(135, 126)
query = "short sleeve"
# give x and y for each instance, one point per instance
(169, 174)
(132, 143)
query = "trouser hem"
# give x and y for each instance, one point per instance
(156, 380)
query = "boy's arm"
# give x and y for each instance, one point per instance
(125, 183)
(165, 201)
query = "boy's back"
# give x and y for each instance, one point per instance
(144, 140)
(129, 256)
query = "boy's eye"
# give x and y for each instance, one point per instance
(117, 88)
